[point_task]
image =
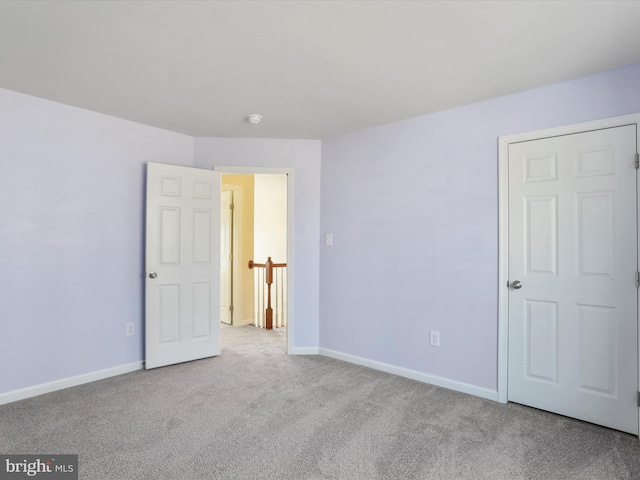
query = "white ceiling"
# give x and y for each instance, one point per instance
(312, 68)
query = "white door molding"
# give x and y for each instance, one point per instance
(238, 193)
(290, 215)
(503, 225)
(227, 253)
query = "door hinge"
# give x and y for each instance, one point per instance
(232, 206)
(638, 399)
(637, 279)
(637, 160)
(231, 257)
(231, 308)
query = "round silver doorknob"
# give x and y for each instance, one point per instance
(155, 275)
(517, 284)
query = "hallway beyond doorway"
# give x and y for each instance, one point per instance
(251, 341)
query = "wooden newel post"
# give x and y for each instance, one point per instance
(269, 266)
(269, 321)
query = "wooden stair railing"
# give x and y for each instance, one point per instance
(268, 266)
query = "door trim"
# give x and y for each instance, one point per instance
(503, 225)
(237, 213)
(289, 172)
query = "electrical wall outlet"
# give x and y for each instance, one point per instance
(434, 338)
(131, 329)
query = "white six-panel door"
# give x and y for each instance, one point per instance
(182, 285)
(573, 345)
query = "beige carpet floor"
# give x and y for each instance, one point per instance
(257, 413)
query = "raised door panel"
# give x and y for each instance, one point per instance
(201, 295)
(169, 236)
(542, 341)
(541, 242)
(595, 234)
(169, 309)
(202, 237)
(597, 349)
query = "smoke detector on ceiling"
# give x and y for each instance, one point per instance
(254, 118)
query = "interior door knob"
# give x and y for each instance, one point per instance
(155, 275)
(516, 284)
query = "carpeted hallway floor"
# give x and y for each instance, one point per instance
(257, 413)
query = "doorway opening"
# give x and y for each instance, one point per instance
(182, 262)
(255, 264)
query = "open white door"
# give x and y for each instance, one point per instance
(182, 284)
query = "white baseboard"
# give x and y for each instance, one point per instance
(304, 351)
(43, 388)
(414, 375)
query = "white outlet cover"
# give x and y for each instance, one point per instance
(434, 339)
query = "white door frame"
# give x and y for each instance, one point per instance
(503, 225)
(237, 213)
(290, 258)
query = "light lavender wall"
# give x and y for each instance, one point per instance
(413, 208)
(71, 237)
(304, 157)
